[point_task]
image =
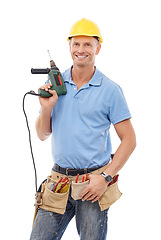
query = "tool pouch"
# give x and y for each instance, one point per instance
(54, 202)
(77, 188)
(111, 195)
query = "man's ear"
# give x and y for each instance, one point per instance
(69, 45)
(98, 48)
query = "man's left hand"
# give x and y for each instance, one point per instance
(97, 186)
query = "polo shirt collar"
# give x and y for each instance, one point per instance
(95, 80)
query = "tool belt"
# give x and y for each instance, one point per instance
(56, 202)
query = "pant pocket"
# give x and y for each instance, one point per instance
(51, 201)
(77, 188)
(111, 195)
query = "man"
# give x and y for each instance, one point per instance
(79, 123)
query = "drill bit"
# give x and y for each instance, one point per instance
(49, 54)
(52, 63)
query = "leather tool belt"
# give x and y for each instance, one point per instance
(56, 202)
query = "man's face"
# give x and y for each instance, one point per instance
(83, 50)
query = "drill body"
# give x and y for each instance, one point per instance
(55, 78)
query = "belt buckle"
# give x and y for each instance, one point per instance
(66, 171)
(70, 169)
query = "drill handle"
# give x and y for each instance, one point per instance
(40, 70)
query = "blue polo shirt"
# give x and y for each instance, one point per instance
(81, 121)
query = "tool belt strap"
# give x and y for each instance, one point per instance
(96, 171)
(72, 171)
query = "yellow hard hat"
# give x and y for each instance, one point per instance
(85, 27)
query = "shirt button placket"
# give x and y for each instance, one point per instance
(75, 90)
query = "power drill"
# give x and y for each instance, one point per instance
(55, 78)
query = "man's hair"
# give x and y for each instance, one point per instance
(97, 38)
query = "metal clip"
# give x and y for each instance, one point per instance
(67, 171)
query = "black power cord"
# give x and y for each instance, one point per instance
(23, 106)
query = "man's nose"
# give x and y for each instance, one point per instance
(81, 49)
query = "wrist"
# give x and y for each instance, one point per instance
(108, 178)
(46, 110)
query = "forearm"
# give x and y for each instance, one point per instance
(43, 124)
(127, 136)
(121, 156)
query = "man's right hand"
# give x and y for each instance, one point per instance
(48, 103)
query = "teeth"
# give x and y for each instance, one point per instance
(81, 56)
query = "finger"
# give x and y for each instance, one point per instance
(85, 191)
(87, 196)
(53, 92)
(92, 197)
(95, 199)
(46, 87)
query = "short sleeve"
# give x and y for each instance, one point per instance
(119, 110)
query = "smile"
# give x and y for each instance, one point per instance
(81, 57)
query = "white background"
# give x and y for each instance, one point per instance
(130, 56)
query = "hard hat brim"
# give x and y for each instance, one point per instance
(88, 35)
